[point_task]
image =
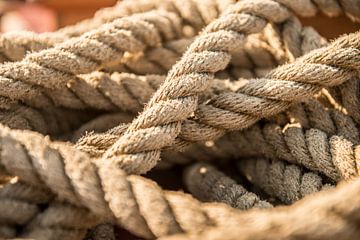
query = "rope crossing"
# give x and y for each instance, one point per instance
(222, 91)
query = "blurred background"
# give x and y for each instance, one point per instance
(49, 15)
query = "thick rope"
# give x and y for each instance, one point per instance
(19, 205)
(347, 95)
(55, 67)
(46, 121)
(70, 174)
(333, 154)
(337, 214)
(288, 182)
(137, 150)
(101, 91)
(207, 183)
(231, 111)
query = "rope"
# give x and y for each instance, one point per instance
(246, 106)
(19, 205)
(90, 190)
(333, 154)
(288, 182)
(207, 183)
(53, 68)
(61, 175)
(337, 219)
(46, 121)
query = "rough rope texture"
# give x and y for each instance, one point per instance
(288, 182)
(234, 111)
(331, 150)
(207, 183)
(55, 67)
(142, 198)
(93, 191)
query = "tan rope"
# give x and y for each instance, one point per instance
(333, 154)
(206, 11)
(106, 181)
(55, 67)
(19, 205)
(288, 182)
(331, 214)
(207, 183)
(176, 200)
(245, 108)
(47, 121)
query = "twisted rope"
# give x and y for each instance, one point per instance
(49, 121)
(207, 183)
(81, 55)
(19, 205)
(130, 201)
(256, 88)
(288, 182)
(338, 208)
(333, 154)
(246, 106)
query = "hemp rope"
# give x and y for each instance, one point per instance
(58, 166)
(78, 103)
(330, 214)
(288, 182)
(191, 11)
(19, 204)
(333, 154)
(80, 55)
(94, 90)
(206, 183)
(216, 212)
(220, 115)
(347, 96)
(143, 130)
(47, 121)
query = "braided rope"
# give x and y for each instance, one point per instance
(19, 205)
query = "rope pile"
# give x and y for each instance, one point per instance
(166, 119)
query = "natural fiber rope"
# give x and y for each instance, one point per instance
(15, 45)
(331, 214)
(46, 121)
(24, 156)
(55, 67)
(96, 90)
(208, 184)
(334, 154)
(73, 168)
(176, 200)
(221, 115)
(19, 204)
(260, 86)
(288, 182)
